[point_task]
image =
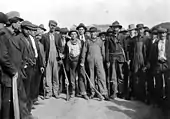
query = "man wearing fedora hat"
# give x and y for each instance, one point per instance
(141, 51)
(93, 49)
(115, 56)
(82, 29)
(129, 47)
(74, 47)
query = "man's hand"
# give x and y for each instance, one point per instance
(25, 66)
(61, 55)
(42, 69)
(15, 76)
(128, 62)
(108, 64)
(82, 64)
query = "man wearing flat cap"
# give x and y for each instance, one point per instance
(160, 64)
(50, 41)
(115, 56)
(93, 49)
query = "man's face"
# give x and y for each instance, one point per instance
(52, 27)
(141, 31)
(147, 33)
(154, 36)
(16, 26)
(132, 33)
(93, 35)
(103, 38)
(40, 31)
(163, 35)
(74, 35)
(88, 34)
(63, 35)
(116, 29)
(81, 31)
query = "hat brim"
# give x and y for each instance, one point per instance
(69, 33)
(85, 28)
(120, 26)
(43, 28)
(131, 29)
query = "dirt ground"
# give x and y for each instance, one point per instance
(78, 108)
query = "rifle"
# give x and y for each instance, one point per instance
(44, 91)
(15, 98)
(66, 82)
(93, 85)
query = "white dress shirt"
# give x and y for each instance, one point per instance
(34, 46)
(161, 49)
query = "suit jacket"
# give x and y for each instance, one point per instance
(29, 55)
(153, 58)
(15, 57)
(114, 46)
(46, 43)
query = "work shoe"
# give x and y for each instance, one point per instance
(101, 98)
(106, 97)
(113, 96)
(85, 97)
(92, 95)
(72, 94)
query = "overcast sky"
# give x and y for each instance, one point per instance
(69, 12)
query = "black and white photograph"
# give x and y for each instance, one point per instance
(85, 59)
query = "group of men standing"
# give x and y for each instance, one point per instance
(130, 64)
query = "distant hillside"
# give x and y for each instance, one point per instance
(101, 27)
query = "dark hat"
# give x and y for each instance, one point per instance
(162, 30)
(123, 30)
(57, 29)
(64, 30)
(53, 21)
(147, 29)
(110, 30)
(81, 25)
(14, 16)
(139, 26)
(116, 24)
(29, 25)
(42, 27)
(154, 31)
(3, 18)
(131, 27)
(72, 30)
(93, 29)
(102, 33)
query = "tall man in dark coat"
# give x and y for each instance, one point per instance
(160, 57)
(115, 58)
(50, 42)
(8, 72)
(27, 30)
(129, 51)
(15, 51)
(139, 61)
